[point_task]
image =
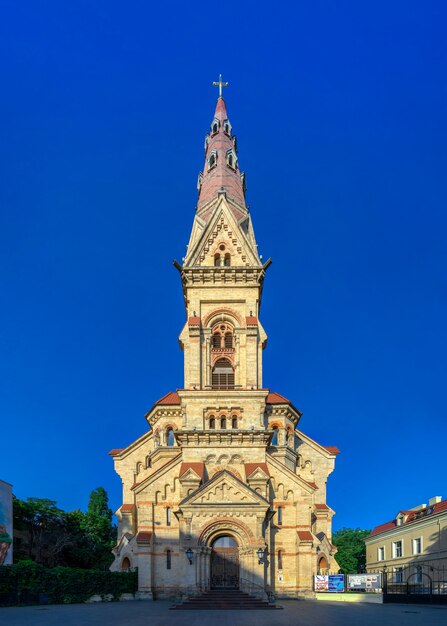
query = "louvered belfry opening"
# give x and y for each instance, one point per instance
(223, 375)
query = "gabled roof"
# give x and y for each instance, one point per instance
(305, 535)
(251, 320)
(170, 398)
(321, 506)
(193, 499)
(127, 507)
(198, 468)
(332, 449)
(144, 536)
(276, 398)
(115, 451)
(250, 468)
(194, 321)
(411, 516)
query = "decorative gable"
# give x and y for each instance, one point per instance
(225, 490)
(222, 235)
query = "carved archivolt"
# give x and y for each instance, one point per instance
(226, 526)
(223, 315)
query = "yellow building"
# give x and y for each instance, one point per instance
(413, 545)
(223, 490)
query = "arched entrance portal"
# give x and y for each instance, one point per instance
(225, 563)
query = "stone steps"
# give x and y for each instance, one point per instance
(224, 600)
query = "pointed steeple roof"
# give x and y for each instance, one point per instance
(221, 171)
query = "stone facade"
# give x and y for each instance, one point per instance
(223, 457)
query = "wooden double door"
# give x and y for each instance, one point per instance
(225, 568)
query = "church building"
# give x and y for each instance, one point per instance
(223, 490)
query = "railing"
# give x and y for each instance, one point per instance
(250, 587)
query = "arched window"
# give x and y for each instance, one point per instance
(223, 423)
(230, 160)
(217, 260)
(212, 161)
(227, 128)
(227, 260)
(170, 439)
(168, 559)
(279, 559)
(212, 423)
(222, 375)
(234, 423)
(275, 436)
(168, 516)
(228, 340)
(125, 565)
(279, 516)
(217, 340)
(215, 127)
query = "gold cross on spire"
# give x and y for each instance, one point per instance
(220, 84)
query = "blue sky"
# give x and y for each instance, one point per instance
(339, 108)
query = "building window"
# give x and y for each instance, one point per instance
(417, 545)
(227, 260)
(381, 554)
(212, 161)
(168, 516)
(212, 423)
(168, 559)
(397, 549)
(222, 375)
(170, 439)
(279, 559)
(234, 423)
(125, 565)
(223, 424)
(275, 436)
(398, 575)
(279, 516)
(215, 126)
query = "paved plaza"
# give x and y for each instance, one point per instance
(304, 613)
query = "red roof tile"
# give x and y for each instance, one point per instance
(115, 451)
(127, 507)
(194, 321)
(332, 449)
(412, 516)
(276, 398)
(305, 535)
(170, 398)
(314, 485)
(251, 467)
(136, 484)
(251, 320)
(144, 536)
(198, 468)
(321, 507)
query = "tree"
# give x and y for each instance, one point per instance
(51, 537)
(99, 530)
(351, 554)
(44, 530)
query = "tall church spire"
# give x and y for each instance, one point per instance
(221, 172)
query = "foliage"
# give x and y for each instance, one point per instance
(54, 537)
(351, 554)
(31, 583)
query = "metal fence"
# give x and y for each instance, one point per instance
(413, 583)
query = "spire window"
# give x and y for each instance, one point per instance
(231, 159)
(227, 127)
(199, 182)
(215, 125)
(212, 161)
(222, 375)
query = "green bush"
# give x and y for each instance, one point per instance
(30, 583)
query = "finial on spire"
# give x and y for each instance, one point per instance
(220, 84)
